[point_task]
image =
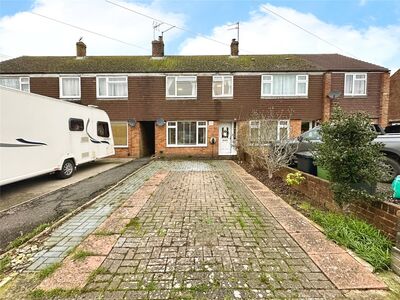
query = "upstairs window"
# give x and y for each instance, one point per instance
(355, 84)
(18, 83)
(284, 85)
(181, 86)
(222, 86)
(70, 87)
(112, 87)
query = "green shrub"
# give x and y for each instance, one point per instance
(349, 155)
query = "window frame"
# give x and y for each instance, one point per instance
(60, 84)
(107, 77)
(20, 82)
(271, 81)
(176, 145)
(176, 87)
(76, 119)
(127, 137)
(108, 129)
(278, 128)
(224, 95)
(353, 94)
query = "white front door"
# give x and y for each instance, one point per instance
(226, 139)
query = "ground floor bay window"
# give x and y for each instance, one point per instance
(186, 133)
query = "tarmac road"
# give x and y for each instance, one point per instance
(23, 218)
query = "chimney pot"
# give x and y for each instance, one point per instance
(234, 48)
(80, 49)
(158, 48)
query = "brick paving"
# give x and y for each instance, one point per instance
(204, 235)
(198, 230)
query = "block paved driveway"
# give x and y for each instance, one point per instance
(202, 234)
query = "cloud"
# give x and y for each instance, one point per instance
(28, 34)
(265, 33)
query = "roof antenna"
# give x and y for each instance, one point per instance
(162, 32)
(156, 27)
(80, 39)
(235, 26)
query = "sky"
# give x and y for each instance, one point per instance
(365, 29)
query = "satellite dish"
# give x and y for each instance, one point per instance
(333, 95)
(132, 122)
(160, 122)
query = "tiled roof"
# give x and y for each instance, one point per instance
(170, 64)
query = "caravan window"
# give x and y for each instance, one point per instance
(76, 125)
(102, 129)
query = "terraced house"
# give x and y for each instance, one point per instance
(192, 105)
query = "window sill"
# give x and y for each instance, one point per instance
(70, 99)
(112, 99)
(186, 146)
(355, 96)
(223, 98)
(282, 97)
(180, 98)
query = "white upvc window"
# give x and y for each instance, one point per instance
(265, 131)
(222, 86)
(112, 86)
(355, 84)
(181, 86)
(70, 87)
(282, 85)
(186, 133)
(18, 83)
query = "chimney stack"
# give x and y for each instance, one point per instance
(80, 49)
(234, 48)
(158, 48)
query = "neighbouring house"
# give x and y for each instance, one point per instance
(193, 105)
(394, 102)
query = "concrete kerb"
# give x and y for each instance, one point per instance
(74, 212)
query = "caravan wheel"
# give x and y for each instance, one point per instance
(68, 168)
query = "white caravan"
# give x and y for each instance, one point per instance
(40, 135)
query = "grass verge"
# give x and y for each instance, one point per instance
(4, 263)
(26, 237)
(362, 238)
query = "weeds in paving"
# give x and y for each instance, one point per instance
(161, 232)
(151, 286)
(98, 271)
(81, 255)
(134, 223)
(241, 222)
(56, 293)
(103, 233)
(5, 263)
(47, 271)
(26, 237)
(364, 239)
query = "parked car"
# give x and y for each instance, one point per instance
(395, 128)
(391, 147)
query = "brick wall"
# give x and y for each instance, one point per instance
(295, 128)
(384, 100)
(384, 215)
(326, 102)
(394, 102)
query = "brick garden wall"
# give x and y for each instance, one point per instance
(384, 215)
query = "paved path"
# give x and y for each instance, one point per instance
(49, 208)
(196, 230)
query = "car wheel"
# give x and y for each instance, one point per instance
(67, 169)
(393, 167)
